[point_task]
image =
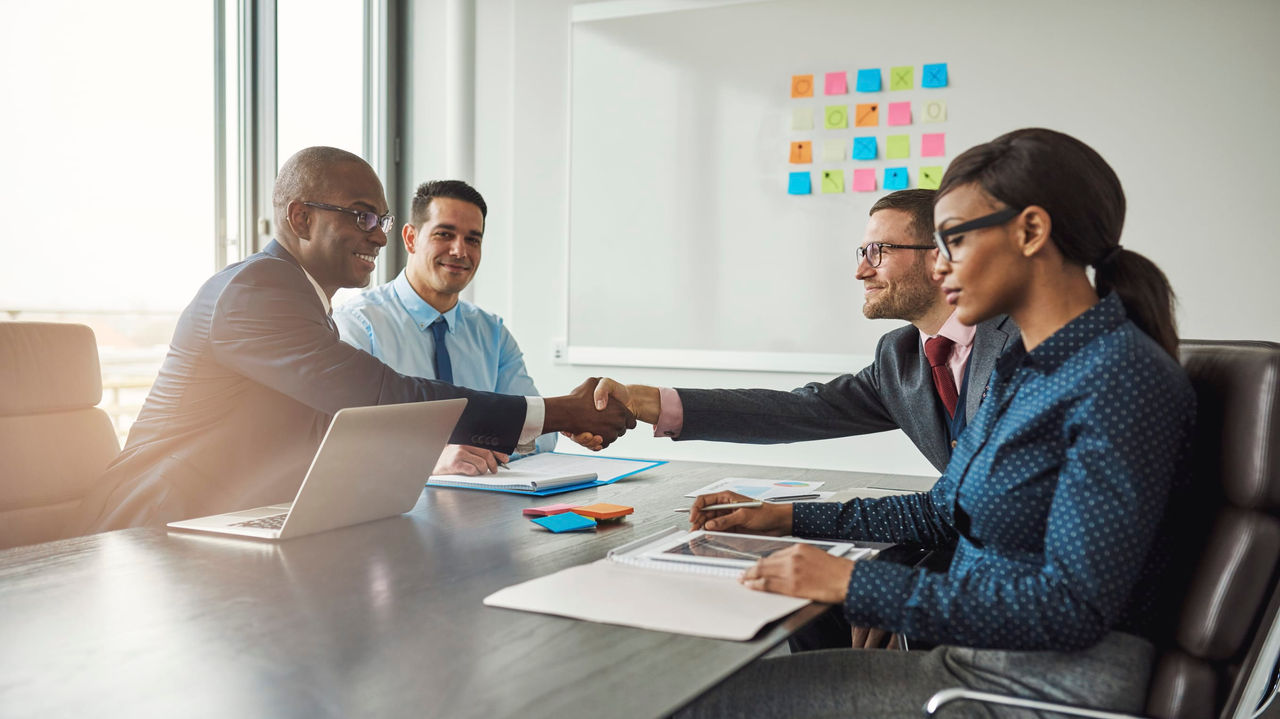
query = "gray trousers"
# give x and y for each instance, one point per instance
(1112, 674)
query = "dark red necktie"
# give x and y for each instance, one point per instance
(938, 351)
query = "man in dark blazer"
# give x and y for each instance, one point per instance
(256, 371)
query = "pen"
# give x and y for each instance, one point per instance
(791, 497)
(729, 505)
(503, 464)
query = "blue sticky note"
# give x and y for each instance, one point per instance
(566, 522)
(799, 184)
(869, 80)
(933, 76)
(864, 148)
(895, 178)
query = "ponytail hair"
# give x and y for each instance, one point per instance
(1086, 205)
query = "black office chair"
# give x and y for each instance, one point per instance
(1217, 610)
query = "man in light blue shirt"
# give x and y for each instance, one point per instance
(419, 326)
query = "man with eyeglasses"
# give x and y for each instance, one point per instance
(256, 370)
(419, 326)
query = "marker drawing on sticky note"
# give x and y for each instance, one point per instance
(837, 117)
(801, 152)
(837, 83)
(867, 115)
(934, 75)
(799, 184)
(930, 178)
(832, 181)
(864, 148)
(833, 150)
(902, 78)
(869, 80)
(895, 178)
(864, 180)
(802, 118)
(802, 85)
(899, 113)
(933, 144)
(935, 111)
(897, 147)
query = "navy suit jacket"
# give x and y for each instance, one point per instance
(895, 391)
(253, 376)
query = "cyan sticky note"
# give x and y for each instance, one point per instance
(565, 522)
(864, 180)
(895, 178)
(799, 184)
(832, 181)
(837, 83)
(902, 78)
(930, 178)
(833, 150)
(935, 111)
(869, 80)
(934, 75)
(837, 117)
(802, 118)
(864, 148)
(897, 147)
(899, 113)
(933, 144)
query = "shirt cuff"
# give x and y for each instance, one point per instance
(670, 414)
(816, 519)
(534, 414)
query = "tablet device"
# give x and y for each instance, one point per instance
(727, 549)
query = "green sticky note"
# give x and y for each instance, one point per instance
(832, 181)
(902, 78)
(930, 178)
(837, 117)
(897, 147)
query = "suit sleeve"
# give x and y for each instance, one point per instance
(269, 327)
(513, 378)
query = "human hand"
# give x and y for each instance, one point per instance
(872, 638)
(593, 442)
(803, 571)
(771, 519)
(471, 461)
(642, 400)
(578, 413)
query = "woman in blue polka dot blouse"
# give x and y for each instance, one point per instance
(1055, 498)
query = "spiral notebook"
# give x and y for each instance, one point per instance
(548, 473)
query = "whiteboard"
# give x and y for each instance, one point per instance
(685, 249)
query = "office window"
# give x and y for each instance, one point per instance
(320, 75)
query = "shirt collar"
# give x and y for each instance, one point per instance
(954, 330)
(1103, 317)
(272, 248)
(419, 309)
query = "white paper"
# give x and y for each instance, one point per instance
(512, 479)
(759, 488)
(605, 468)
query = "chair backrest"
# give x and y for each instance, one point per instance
(1229, 533)
(54, 442)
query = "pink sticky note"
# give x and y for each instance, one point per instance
(548, 510)
(837, 83)
(864, 180)
(899, 113)
(933, 144)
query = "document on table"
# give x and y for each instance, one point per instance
(548, 473)
(762, 489)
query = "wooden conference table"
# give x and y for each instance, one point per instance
(380, 619)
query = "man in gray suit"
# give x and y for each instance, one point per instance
(256, 371)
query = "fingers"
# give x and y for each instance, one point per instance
(606, 387)
(876, 638)
(699, 517)
(859, 636)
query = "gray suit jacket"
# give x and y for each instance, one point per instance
(253, 376)
(895, 391)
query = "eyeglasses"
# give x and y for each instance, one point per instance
(995, 218)
(365, 220)
(873, 252)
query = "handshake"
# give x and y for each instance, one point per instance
(601, 410)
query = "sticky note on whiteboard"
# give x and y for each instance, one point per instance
(802, 118)
(867, 115)
(930, 178)
(801, 152)
(902, 78)
(832, 181)
(864, 148)
(799, 184)
(864, 180)
(802, 85)
(895, 178)
(837, 83)
(934, 75)
(899, 113)
(869, 80)
(837, 117)
(933, 144)
(833, 150)
(897, 147)
(934, 111)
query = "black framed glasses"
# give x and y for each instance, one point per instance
(994, 219)
(365, 220)
(873, 252)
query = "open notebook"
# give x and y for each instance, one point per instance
(548, 473)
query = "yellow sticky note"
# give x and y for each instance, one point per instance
(801, 152)
(930, 178)
(933, 111)
(832, 181)
(833, 150)
(897, 147)
(837, 117)
(802, 85)
(902, 78)
(867, 115)
(802, 118)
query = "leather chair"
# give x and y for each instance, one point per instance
(54, 442)
(1223, 602)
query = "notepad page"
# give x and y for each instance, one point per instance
(511, 479)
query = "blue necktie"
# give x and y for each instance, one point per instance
(444, 368)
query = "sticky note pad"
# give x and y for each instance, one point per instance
(565, 522)
(935, 111)
(934, 75)
(832, 181)
(902, 78)
(930, 178)
(833, 150)
(802, 85)
(547, 510)
(897, 147)
(899, 113)
(869, 80)
(837, 83)
(837, 117)
(864, 180)
(895, 178)
(603, 511)
(933, 144)
(798, 184)
(864, 148)
(802, 118)
(801, 152)
(866, 115)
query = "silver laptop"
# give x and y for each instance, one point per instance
(371, 464)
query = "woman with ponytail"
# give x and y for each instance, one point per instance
(1056, 498)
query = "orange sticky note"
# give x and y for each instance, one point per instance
(802, 85)
(867, 115)
(801, 152)
(603, 511)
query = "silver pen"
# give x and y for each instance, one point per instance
(728, 505)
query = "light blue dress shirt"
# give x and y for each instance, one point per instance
(393, 323)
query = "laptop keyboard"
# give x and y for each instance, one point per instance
(275, 521)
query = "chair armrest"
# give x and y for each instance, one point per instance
(947, 696)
